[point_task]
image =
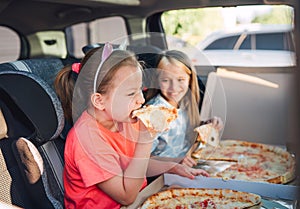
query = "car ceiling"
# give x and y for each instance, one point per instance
(29, 16)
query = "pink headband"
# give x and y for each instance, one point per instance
(107, 50)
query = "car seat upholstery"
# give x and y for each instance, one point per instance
(30, 159)
(12, 186)
(46, 69)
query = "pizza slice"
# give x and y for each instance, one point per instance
(156, 118)
(207, 134)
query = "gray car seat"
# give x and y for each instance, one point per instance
(31, 163)
(46, 69)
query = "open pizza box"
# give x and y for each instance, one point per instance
(285, 194)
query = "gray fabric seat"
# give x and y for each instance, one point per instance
(45, 68)
(34, 120)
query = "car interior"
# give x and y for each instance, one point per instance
(256, 104)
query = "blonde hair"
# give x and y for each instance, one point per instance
(191, 99)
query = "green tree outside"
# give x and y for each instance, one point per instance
(193, 25)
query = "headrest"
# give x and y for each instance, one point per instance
(37, 101)
(147, 53)
(150, 55)
(17, 123)
(44, 68)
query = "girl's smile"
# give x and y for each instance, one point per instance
(174, 83)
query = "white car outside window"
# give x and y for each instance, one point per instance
(255, 46)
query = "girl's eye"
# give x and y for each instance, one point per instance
(135, 93)
(181, 79)
(131, 94)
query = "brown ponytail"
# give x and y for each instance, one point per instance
(64, 86)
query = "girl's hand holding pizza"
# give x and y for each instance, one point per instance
(217, 123)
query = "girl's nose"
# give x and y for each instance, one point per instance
(140, 98)
(174, 85)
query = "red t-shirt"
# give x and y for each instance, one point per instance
(98, 156)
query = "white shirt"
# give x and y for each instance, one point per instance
(171, 143)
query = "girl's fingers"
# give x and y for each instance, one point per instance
(217, 123)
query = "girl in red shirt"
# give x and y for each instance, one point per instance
(107, 151)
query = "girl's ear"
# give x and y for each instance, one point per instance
(97, 101)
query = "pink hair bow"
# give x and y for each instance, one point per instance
(76, 67)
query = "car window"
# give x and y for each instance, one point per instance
(272, 41)
(233, 30)
(10, 45)
(223, 43)
(82, 34)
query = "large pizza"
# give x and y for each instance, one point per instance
(249, 161)
(184, 198)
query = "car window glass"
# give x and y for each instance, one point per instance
(223, 43)
(273, 41)
(10, 45)
(82, 34)
(204, 32)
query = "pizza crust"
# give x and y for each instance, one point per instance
(156, 118)
(202, 198)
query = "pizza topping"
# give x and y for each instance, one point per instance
(156, 118)
(253, 161)
(205, 204)
(187, 198)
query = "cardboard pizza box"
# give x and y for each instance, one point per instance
(276, 191)
(152, 188)
(273, 191)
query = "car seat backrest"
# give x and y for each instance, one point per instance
(46, 69)
(37, 107)
(12, 186)
(148, 54)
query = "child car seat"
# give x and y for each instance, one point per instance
(31, 165)
(46, 69)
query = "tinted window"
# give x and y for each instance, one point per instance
(289, 41)
(271, 41)
(223, 43)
